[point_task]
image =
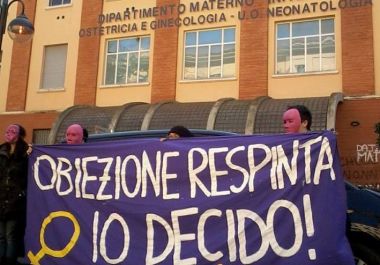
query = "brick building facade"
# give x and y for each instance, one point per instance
(84, 31)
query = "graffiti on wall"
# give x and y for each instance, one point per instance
(368, 153)
(363, 168)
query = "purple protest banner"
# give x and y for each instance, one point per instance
(275, 200)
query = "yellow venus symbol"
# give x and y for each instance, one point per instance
(35, 259)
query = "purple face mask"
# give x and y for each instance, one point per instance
(291, 121)
(12, 133)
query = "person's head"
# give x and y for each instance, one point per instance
(74, 134)
(13, 133)
(297, 119)
(179, 131)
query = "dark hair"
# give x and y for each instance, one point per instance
(85, 134)
(182, 131)
(304, 113)
(21, 131)
(21, 145)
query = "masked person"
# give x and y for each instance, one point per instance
(76, 134)
(13, 181)
(297, 119)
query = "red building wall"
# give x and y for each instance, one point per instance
(89, 47)
(359, 154)
(253, 70)
(358, 65)
(165, 52)
(41, 120)
(19, 74)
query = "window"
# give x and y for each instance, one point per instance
(41, 136)
(209, 54)
(59, 2)
(54, 69)
(127, 61)
(306, 46)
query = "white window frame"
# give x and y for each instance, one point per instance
(291, 38)
(139, 51)
(197, 46)
(51, 66)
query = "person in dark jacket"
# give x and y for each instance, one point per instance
(13, 181)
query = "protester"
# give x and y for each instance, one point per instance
(297, 119)
(13, 181)
(179, 131)
(76, 134)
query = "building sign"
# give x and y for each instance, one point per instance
(212, 200)
(209, 12)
